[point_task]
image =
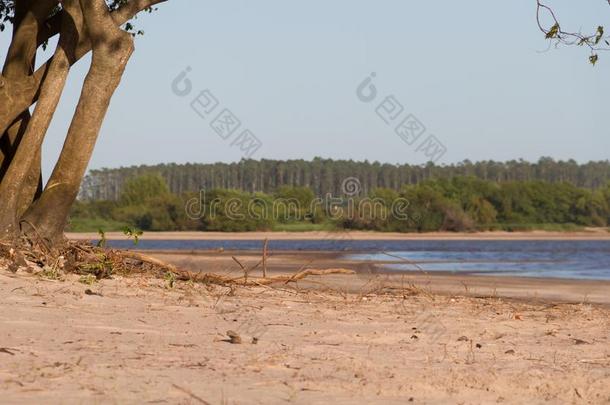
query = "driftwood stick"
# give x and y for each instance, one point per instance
(301, 275)
(148, 259)
(265, 245)
(301, 269)
(184, 275)
(245, 270)
(251, 269)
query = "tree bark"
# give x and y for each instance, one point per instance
(29, 19)
(24, 168)
(112, 48)
(19, 65)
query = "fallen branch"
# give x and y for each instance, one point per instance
(185, 275)
(265, 245)
(245, 270)
(190, 394)
(298, 276)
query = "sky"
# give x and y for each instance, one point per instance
(478, 75)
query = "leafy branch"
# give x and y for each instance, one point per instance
(596, 41)
(133, 233)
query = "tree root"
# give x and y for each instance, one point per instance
(211, 278)
(85, 259)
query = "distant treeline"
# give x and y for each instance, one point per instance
(457, 204)
(325, 176)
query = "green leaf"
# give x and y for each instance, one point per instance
(593, 59)
(600, 34)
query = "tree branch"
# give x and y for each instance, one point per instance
(22, 50)
(121, 15)
(556, 33)
(26, 91)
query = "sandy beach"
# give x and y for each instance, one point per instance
(370, 337)
(135, 340)
(587, 234)
(371, 276)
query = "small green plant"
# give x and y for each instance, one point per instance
(54, 270)
(133, 233)
(102, 268)
(102, 242)
(170, 278)
(51, 273)
(88, 279)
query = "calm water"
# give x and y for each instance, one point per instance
(562, 259)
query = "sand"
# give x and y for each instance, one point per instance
(371, 274)
(587, 234)
(340, 339)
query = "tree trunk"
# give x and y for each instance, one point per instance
(19, 65)
(24, 168)
(112, 48)
(21, 93)
(21, 136)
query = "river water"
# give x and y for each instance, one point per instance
(588, 259)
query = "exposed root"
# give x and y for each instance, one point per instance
(35, 257)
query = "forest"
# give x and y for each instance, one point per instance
(324, 176)
(307, 196)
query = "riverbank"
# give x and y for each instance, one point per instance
(372, 276)
(130, 340)
(588, 234)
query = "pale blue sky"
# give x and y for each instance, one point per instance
(471, 71)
